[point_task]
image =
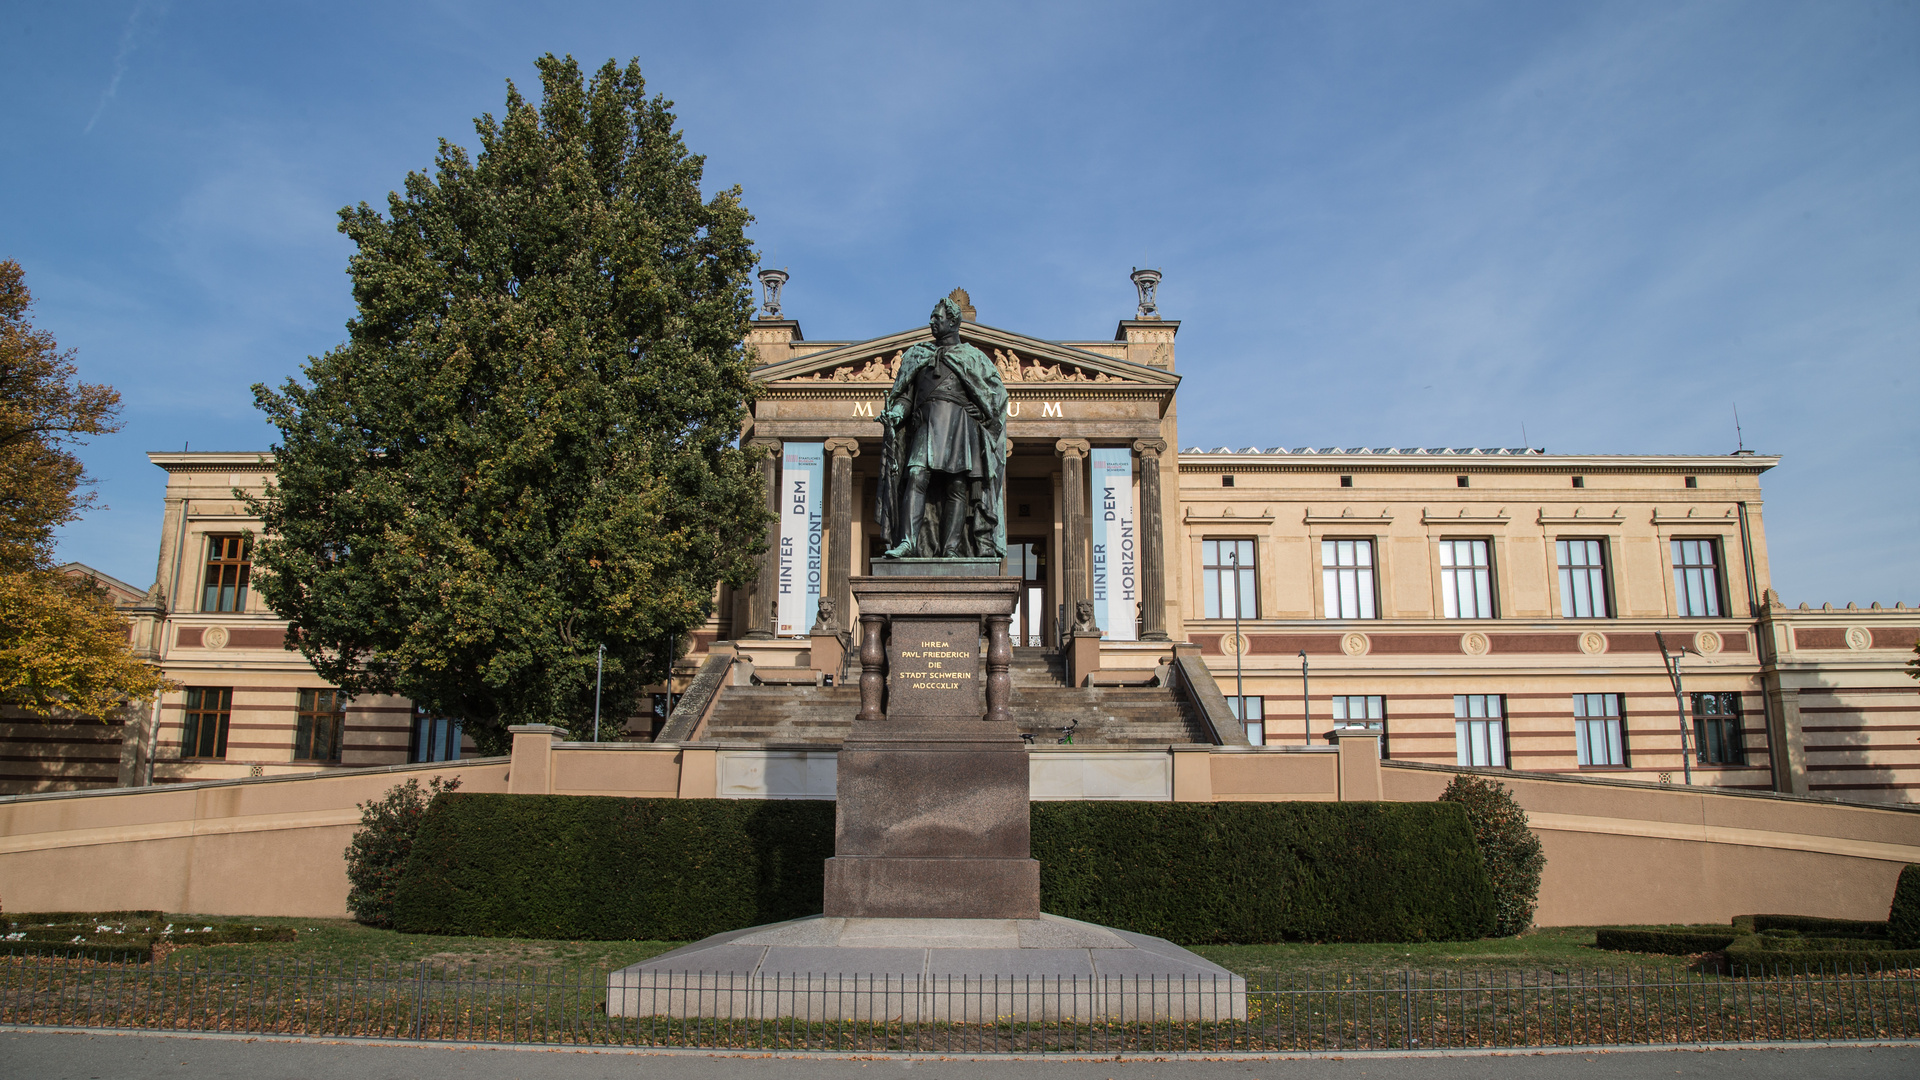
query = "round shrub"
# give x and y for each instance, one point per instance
(379, 851)
(1507, 846)
(1903, 919)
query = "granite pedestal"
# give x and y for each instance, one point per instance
(933, 795)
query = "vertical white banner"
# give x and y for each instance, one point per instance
(797, 590)
(1116, 544)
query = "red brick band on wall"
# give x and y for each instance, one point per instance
(1391, 644)
(1533, 643)
(1896, 637)
(1819, 637)
(1290, 644)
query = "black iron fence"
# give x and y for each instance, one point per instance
(1490, 1009)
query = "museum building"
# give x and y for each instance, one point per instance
(1492, 608)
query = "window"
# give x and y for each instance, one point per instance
(1459, 481)
(208, 708)
(1579, 481)
(228, 567)
(1346, 578)
(1693, 481)
(1583, 579)
(1363, 711)
(1696, 578)
(1466, 579)
(1480, 730)
(323, 717)
(1716, 729)
(435, 738)
(1597, 732)
(1226, 481)
(1346, 481)
(1227, 577)
(1252, 713)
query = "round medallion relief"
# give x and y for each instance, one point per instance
(1593, 642)
(1234, 644)
(1355, 644)
(215, 637)
(1707, 642)
(1474, 643)
(1858, 638)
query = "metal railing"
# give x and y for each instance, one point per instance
(1473, 1009)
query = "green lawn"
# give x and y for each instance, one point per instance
(1554, 950)
(1542, 951)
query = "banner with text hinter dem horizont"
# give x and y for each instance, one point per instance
(797, 590)
(1116, 544)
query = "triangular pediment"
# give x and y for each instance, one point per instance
(1022, 360)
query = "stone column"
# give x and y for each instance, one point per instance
(873, 668)
(840, 524)
(1153, 579)
(1073, 494)
(760, 605)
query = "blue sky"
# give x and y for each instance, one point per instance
(1422, 223)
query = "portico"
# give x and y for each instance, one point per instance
(1067, 401)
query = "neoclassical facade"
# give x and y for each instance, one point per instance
(1500, 608)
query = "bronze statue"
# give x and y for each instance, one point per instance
(944, 461)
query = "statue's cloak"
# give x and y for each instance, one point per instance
(987, 405)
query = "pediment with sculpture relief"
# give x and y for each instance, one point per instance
(1022, 361)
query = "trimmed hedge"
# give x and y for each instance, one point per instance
(1903, 919)
(1246, 873)
(602, 868)
(605, 868)
(1793, 953)
(1664, 942)
(62, 918)
(1829, 928)
(114, 954)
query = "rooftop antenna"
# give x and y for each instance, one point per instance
(1524, 441)
(1738, 436)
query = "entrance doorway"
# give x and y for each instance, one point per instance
(1027, 560)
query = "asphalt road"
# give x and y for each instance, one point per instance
(81, 1056)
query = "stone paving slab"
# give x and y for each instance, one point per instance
(963, 970)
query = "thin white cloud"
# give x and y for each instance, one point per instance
(129, 41)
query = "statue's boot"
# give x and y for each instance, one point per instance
(917, 480)
(953, 518)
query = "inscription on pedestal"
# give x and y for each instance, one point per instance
(933, 668)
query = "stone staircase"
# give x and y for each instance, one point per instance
(1042, 705)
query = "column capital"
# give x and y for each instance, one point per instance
(843, 445)
(764, 442)
(1072, 448)
(1150, 448)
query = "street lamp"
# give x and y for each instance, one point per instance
(1306, 699)
(1672, 663)
(599, 665)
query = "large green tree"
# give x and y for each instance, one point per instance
(63, 649)
(527, 447)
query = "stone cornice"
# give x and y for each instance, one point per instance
(210, 460)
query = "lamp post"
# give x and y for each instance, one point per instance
(599, 665)
(1672, 663)
(1306, 700)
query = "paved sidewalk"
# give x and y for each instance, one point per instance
(83, 1056)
